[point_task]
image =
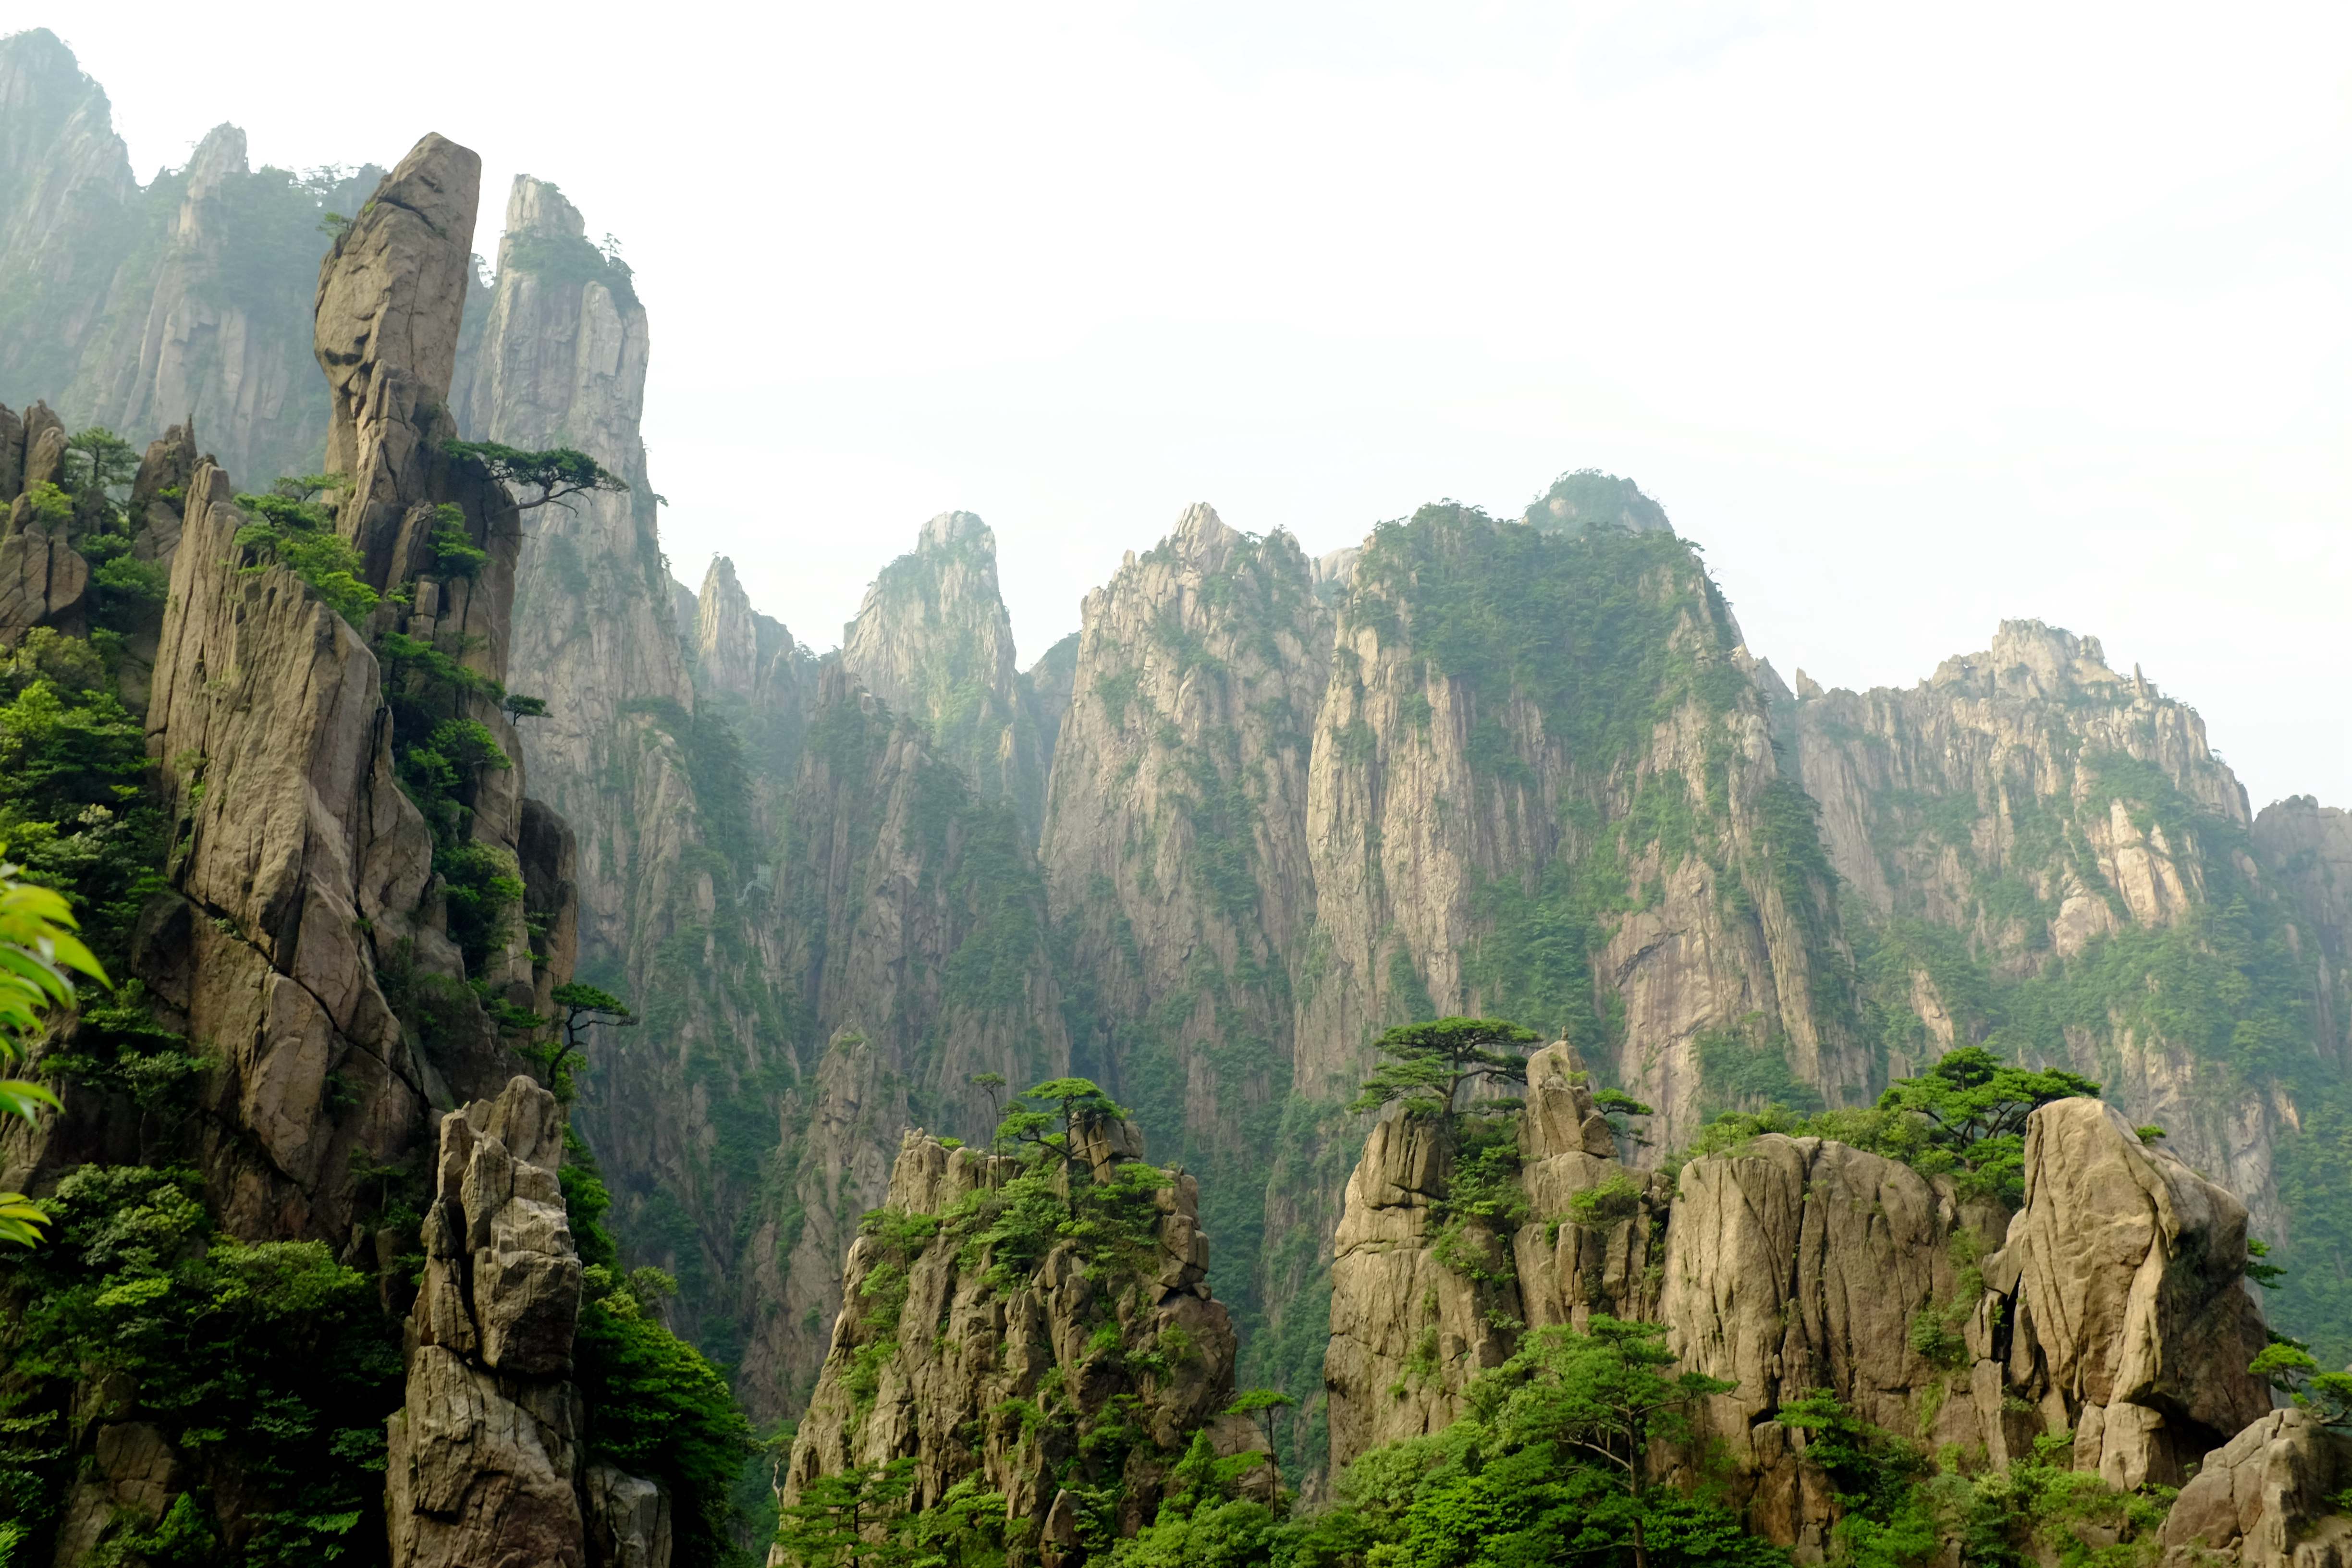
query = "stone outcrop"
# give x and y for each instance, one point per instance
(2111, 1308)
(485, 1460)
(934, 1354)
(1423, 1301)
(2266, 1498)
(2123, 1283)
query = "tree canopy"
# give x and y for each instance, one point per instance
(1429, 1064)
(556, 473)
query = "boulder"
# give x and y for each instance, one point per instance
(2125, 1274)
(2267, 1499)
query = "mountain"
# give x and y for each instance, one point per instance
(834, 910)
(135, 306)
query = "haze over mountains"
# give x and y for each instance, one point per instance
(1259, 808)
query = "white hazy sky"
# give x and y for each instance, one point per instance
(1916, 317)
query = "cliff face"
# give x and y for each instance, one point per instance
(1175, 846)
(2049, 859)
(2111, 1307)
(932, 640)
(136, 306)
(910, 920)
(1543, 788)
(305, 875)
(1043, 1372)
(356, 877)
(561, 361)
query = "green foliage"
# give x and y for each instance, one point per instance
(1738, 1071)
(1612, 1202)
(832, 1524)
(574, 259)
(1976, 1106)
(286, 528)
(39, 954)
(1966, 1116)
(1429, 1064)
(269, 1367)
(579, 1008)
(1484, 1202)
(556, 473)
(50, 506)
(657, 1408)
(2290, 1369)
(454, 554)
(1053, 1129)
(98, 460)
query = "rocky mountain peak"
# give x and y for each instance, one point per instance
(954, 528)
(933, 641)
(390, 298)
(48, 105)
(725, 640)
(1588, 498)
(2037, 662)
(219, 156)
(536, 206)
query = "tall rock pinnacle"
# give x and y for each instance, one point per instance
(391, 295)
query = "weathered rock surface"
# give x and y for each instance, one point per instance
(2115, 1310)
(1421, 1303)
(43, 582)
(2125, 1274)
(2267, 1499)
(303, 867)
(929, 1379)
(484, 1461)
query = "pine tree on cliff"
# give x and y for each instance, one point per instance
(1430, 1064)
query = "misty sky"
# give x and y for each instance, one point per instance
(1916, 317)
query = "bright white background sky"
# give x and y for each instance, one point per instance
(1916, 317)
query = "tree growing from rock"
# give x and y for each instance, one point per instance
(1430, 1064)
(579, 1008)
(1598, 1401)
(1971, 1108)
(832, 1524)
(556, 473)
(1055, 1125)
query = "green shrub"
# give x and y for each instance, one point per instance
(300, 534)
(268, 1365)
(657, 1408)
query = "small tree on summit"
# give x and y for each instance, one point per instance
(555, 473)
(1056, 1125)
(1429, 1063)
